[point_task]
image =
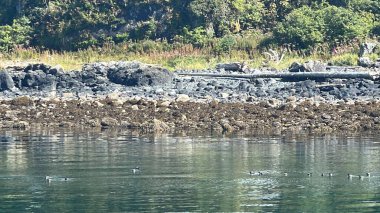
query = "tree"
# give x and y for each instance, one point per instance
(344, 25)
(303, 27)
(306, 27)
(18, 34)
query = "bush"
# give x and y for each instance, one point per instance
(344, 25)
(198, 37)
(306, 27)
(225, 44)
(303, 27)
(16, 35)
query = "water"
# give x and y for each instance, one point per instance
(186, 173)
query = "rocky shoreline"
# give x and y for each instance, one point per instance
(131, 95)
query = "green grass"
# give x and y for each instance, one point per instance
(171, 56)
(346, 59)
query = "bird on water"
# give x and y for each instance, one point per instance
(135, 170)
(255, 173)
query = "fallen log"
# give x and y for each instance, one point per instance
(298, 76)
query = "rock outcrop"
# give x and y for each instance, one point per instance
(310, 66)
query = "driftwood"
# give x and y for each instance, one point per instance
(329, 85)
(299, 76)
(343, 68)
(275, 56)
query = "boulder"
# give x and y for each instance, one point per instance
(296, 67)
(314, 66)
(365, 62)
(6, 81)
(56, 71)
(138, 74)
(235, 66)
(183, 98)
(37, 79)
(377, 63)
(33, 67)
(109, 122)
(309, 66)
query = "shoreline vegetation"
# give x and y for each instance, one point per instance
(190, 34)
(181, 56)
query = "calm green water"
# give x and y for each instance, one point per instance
(183, 173)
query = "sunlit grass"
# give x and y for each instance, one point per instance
(346, 59)
(175, 57)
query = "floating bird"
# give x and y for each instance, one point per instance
(135, 170)
(328, 174)
(368, 174)
(255, 173)
(50, 178)
(310, 174)
(349, 176)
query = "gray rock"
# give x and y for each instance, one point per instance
(377, 63)
(137, 74)
(6, 81)
(56, 71)
(109, 122)
(310, 66)
(34, 67)
(235, 66)
(296, 67)
(365, 62)
(37, 79)
(314, 66)
(183, 98)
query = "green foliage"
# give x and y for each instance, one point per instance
(226, 44)
(199, 36)
(82, 24)
(307, 27)
(16, 35)
(303, 27)
(344, 25)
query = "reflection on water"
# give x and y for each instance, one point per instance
(92, 172)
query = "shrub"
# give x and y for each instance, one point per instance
(343, 25)
(306, 27)
(198, 37)
(303, 27)
(225, 44)
(16, 35)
